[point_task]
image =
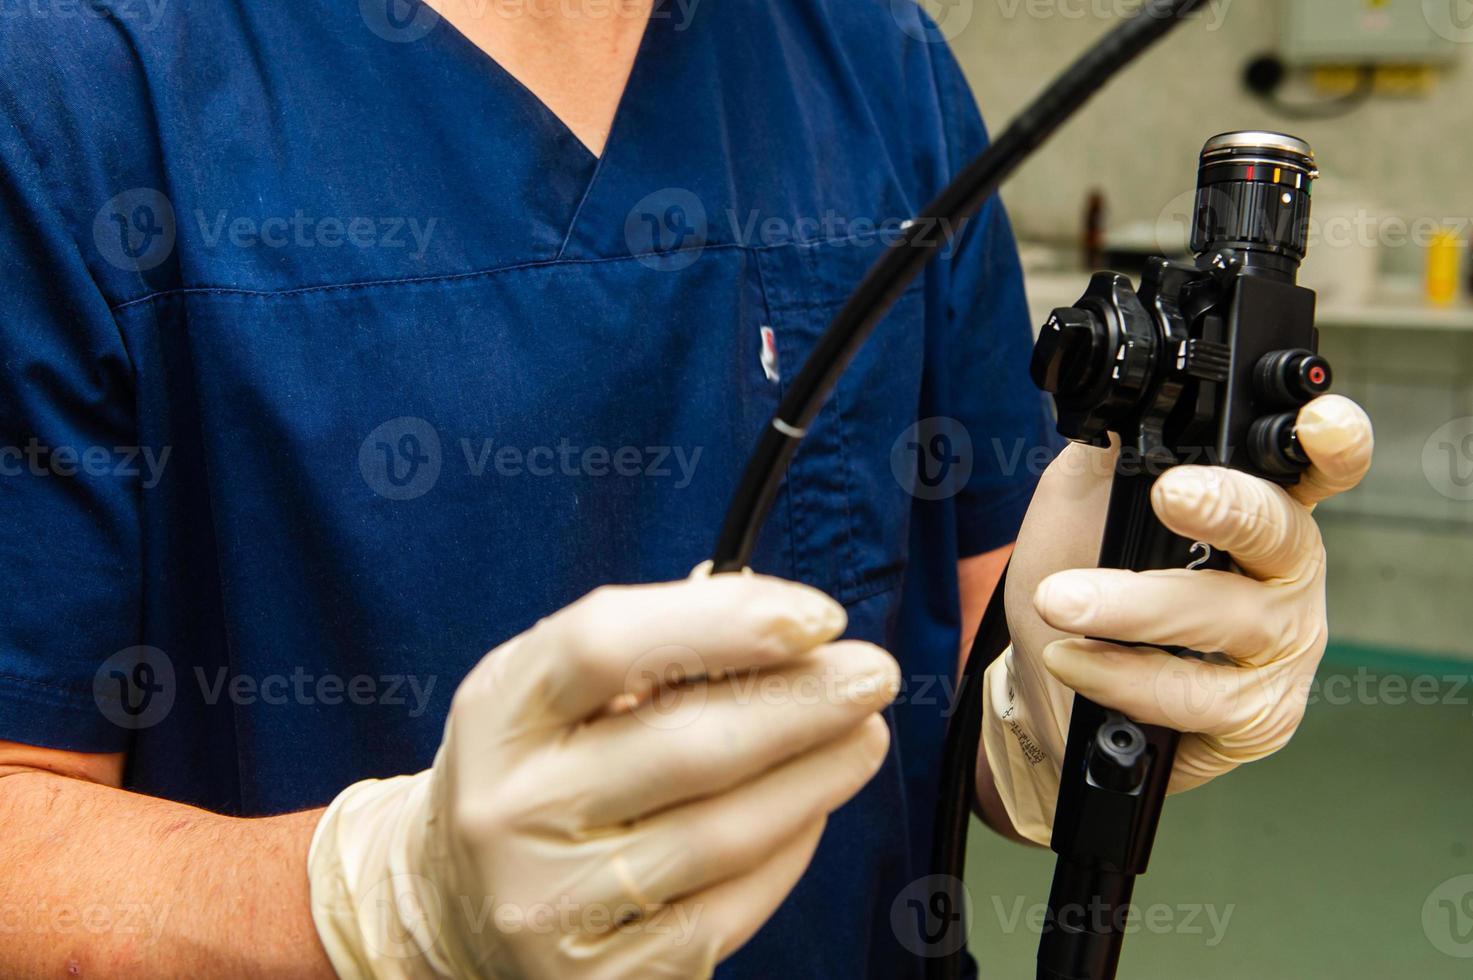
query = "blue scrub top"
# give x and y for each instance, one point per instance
(332, 360)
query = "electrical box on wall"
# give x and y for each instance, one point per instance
(1374, 32)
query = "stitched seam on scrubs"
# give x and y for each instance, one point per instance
(598, 168)
(74, 724)
(50, 199)
(857, 581)
(854, 580)
(888, 582)
(850, 565)
(621, 109)
(61, 688)
(782, 388)
(448, 277)
(50, 190)
(582, 202)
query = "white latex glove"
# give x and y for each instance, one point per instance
(588, 817)
(1269, 623)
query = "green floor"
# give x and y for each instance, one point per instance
(1335, 859)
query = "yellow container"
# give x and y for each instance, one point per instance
(1444, 263)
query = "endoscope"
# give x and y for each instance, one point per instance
(1207, 360)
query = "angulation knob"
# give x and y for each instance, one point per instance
(1070, 351)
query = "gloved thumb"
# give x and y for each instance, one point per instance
(1063, 529)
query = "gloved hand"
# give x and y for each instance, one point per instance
(1268, 624)
(587, 819)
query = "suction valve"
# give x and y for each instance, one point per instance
(1290, 378)
(1273, 445)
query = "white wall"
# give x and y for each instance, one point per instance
(1139, 139)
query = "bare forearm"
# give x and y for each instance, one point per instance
(990, 807)
(101, 882)
(977, 579)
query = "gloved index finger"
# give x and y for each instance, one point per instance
(628, 641)
(1337, 437)
(1268, 533)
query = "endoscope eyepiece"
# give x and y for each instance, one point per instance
(1253, 191)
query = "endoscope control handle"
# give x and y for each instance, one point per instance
(1115, 772)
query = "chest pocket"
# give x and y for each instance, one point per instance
(849, 511)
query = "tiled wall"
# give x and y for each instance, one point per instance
(1401, 547)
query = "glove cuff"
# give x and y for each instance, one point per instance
(376, 916)
(1025, 774)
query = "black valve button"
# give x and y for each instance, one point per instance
(1117, 759)
(1290, 378)
(1273, 446)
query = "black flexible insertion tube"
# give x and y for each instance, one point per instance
(959, 786)
(905, 259)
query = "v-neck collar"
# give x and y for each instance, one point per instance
(544, 185)
(522, 90)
